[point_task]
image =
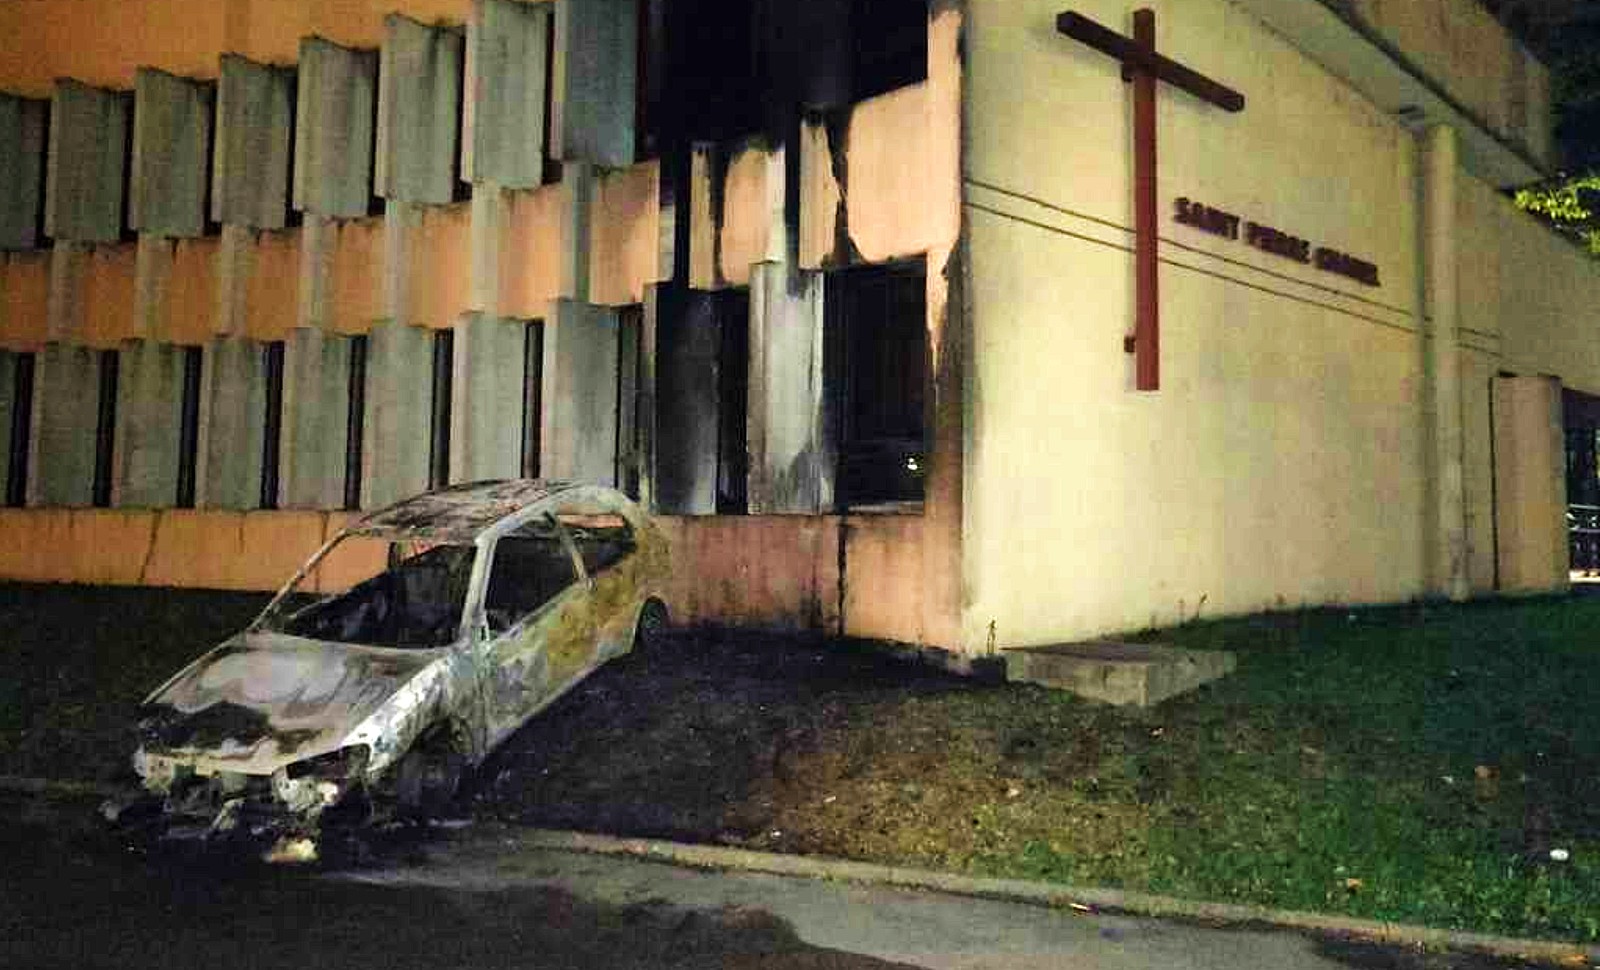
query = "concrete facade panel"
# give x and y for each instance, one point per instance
(86, 167)
(508, 46)
(624, 234)
(489, 357)
(233, 403)
(316, 388)
(334, 118)
(149, 415)
(24, 300)
(272, 290)
(578, 428)
(593, 104)
(191, 293)
(107, 299)
(171, 153)
(65, 412)
(255, 122)
(419, 99)
(752, 214)
(791, 464)
(395, 446)
(356, 271)
(24, 124)
(435, 272)
(530, 258)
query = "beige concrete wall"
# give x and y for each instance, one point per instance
(1464, 50)
(771, 571)
(171, 547)
(1281, 462)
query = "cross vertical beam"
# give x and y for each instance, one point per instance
(1143, 67)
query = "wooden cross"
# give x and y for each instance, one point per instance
(1144, 67)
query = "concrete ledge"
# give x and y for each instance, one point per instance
(1138, 674)
(1055, 896)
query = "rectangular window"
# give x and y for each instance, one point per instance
(21, 425)
(272, 424)
(630, 327)
(532, 395)
(355, 420)
(733, 401)
(439, 428)
(878, 353)
(189, 426)
(105, 431)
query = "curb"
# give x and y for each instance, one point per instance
(48, 786)
(1055, 896)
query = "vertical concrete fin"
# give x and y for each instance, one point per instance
(578, 427)
(334, 117)
(250, 166)
(233, 403)
(686, 408)
(149, 416)
(23, 126)
(596, 61)
(791, 466)
(171, 145)
(65, 414)
(395, 446)
(490, 367)
(508, 46)
(419, 96)
(315, 418)
(87, 162)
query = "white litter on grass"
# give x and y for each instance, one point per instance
(1560, 855)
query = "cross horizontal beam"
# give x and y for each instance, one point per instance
(1136, 58)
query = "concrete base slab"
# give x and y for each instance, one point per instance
(1139, 674)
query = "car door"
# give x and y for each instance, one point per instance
(606, 546)
(535, 611)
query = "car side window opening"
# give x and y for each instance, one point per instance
(416, 601)
(531, 567)
(603, 540)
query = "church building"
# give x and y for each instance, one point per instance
(959, 324)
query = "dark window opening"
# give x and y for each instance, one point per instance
(439, 428)
(733, 401)
(531, 567)
(1581, 416)
(602, 540)
(189, 427)
(272, 423)
(878, 366)
(629, 450)
(105, 431)
(21, 427)
(355, 420)
(532, 396)
(890, 45)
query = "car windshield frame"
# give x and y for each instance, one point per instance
(286, 607)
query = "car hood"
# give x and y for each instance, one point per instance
(263, 700)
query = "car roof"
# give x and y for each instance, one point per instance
(463, 513)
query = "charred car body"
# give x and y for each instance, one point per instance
(471, 609)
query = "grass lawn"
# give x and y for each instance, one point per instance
(1408, 763)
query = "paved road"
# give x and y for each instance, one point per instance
(69, 897)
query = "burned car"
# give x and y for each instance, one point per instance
(410, 645)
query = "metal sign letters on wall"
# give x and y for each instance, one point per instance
(1267, 239)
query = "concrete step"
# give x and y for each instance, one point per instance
(1138, 674)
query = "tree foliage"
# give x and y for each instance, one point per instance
(1570, 203)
